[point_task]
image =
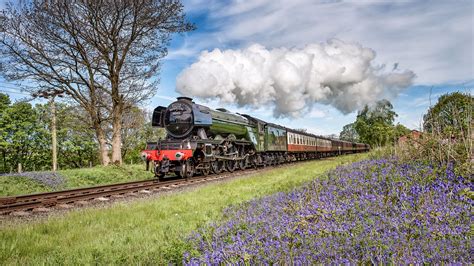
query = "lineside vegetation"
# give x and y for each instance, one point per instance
(147, 231)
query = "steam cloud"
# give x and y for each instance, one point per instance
(292, 80)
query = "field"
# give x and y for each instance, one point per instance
(146, 231)
(372, 212)
(34, 182)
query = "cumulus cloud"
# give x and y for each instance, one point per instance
(291, 80)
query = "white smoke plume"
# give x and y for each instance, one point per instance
(292, 80)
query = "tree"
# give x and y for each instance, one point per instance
(349, 133)
(400, 130)
(103, 54)
(375, 124)
(451, 115)
(19, 133)
(137, 130)
(77, 146)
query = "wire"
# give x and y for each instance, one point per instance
(16, 92)
(14, 86)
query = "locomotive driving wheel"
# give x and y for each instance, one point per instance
(230, 165)
(241, 164)
(217, 166)
(205, 171)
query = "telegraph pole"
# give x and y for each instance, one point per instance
(51, 94)
(53, 133)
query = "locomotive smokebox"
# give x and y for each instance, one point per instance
(179, 118)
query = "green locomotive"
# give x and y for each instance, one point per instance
(201, 140)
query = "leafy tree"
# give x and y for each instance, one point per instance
(104, 55)
(375, 124)
(349, 133)
(137, 131)
(451, 115)
(19, 133)
(77, 145)
(400, 130)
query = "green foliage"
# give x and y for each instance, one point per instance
(349, 133)
(137, 131)
(25, 136)
(19, 133)
(375, 124)
(451, 116)
(400, 130)
(147, 231)
(76, 139)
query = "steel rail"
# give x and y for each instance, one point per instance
(49, 199)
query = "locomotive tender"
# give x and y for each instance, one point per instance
(201, 140)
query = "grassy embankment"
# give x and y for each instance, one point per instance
(74, 178)
(145, 231)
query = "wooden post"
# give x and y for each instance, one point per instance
(53, 134)
(19, 167)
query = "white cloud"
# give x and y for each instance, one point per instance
(335, 73)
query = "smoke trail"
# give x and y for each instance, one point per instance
(292, 80)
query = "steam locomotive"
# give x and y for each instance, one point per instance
(201, 140)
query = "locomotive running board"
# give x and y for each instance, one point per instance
(230, 158)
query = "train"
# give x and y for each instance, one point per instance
(201, 140)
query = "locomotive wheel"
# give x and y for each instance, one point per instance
(241, 164)
(230, 165)
(205, 172)
(217, 166)
(189, 169)
(157, 172)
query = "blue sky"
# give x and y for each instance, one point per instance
(434, 39)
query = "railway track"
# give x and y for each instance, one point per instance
(68, 198)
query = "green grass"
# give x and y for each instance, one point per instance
(75, 178)
(104, 175)
(14, 185)
(145, 231)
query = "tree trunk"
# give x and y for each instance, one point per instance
(117, 115)
(103, 152)
(117, 137)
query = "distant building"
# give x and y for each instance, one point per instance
(413, 135)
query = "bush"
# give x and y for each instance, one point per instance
(437, 149)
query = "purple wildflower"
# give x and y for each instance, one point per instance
(376, 211)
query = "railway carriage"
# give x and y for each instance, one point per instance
(201, 140)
